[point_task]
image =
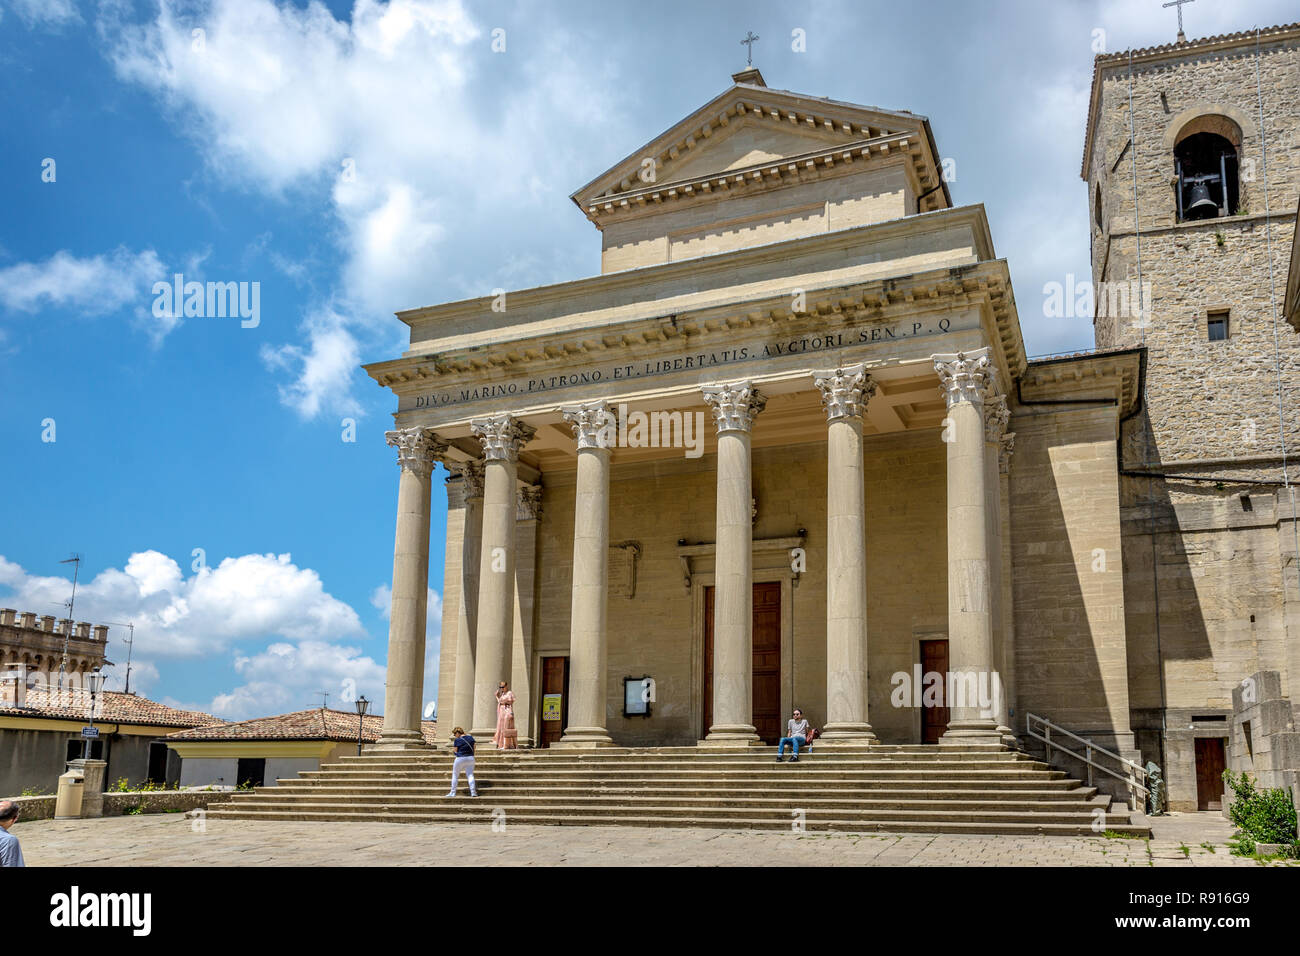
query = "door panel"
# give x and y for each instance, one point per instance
(1210, 765)
(555, 680)
(766, 665)
(934, 659)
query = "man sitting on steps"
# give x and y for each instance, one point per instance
(796, 734)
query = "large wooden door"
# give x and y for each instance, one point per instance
(934, 659)
(555, 680)
(1209, 773)
(765, 674)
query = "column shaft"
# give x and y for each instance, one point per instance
(462, 712)
(844, 395)
(587, 691)
(734, 408)
(404, 687)
(502, 437)
(972, 719)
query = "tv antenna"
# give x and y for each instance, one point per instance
(75, 561)
(130, 643)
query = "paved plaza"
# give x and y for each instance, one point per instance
(170, 840)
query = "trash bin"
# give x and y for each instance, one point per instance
(67, 805)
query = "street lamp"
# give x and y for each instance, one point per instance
(362, 706)
(94, 683)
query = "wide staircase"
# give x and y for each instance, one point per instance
(897, 789)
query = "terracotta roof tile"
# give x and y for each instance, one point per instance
(315, 724)
(110, 707)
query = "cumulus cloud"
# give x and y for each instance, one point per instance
(400, 118)
(254, 596)
(286, 677)
(45, 12)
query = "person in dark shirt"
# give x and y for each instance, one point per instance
(462, 745)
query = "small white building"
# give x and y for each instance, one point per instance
(258, 752)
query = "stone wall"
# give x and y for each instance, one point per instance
(1264, 740)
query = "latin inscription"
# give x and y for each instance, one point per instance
(697, 361)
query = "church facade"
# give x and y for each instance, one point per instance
(787, 450)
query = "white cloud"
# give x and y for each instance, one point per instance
(255, 596)
(403, 119)
(96, 285)
(45, 12)
(286, 677)
(323, 372)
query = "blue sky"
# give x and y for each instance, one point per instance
(354, 160)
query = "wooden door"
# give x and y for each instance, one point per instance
(1210, 765)
(934, 659)
(765, 674)
(555, 680)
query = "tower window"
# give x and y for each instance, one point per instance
(1096, 206)
(1206, 166)
(1216, 326)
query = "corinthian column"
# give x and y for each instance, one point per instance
(964, 379)
(417, 450)
(467, 632)
(592, 427)
(502, 436)
(845, 393)
(996, 417)
(734, 408)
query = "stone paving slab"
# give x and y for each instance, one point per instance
(170, 840)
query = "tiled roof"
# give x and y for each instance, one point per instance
(111, 707)
(315, 724)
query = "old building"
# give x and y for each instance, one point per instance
(41, 643)
(788, 449)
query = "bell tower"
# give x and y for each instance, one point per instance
(1193, 170)
(1192, 164)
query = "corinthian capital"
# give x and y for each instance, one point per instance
(845, 391)
(734, 405)
(996, 417)
(964, 376)
(471, 474)
(417, 449)
(528, 504)
(502, 436)
(593, 424)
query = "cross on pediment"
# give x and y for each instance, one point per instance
(750, 38)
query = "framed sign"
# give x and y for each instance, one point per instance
(552, 706)
(638, 695)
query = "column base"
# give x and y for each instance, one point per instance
(846, 734)
(1008, 736)
(732, 735)
(972, 733)
(583, 738)
(399, 740)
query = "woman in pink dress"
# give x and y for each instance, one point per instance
(506, 737)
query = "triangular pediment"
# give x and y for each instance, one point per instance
(750, 125)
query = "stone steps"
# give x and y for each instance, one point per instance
(1018, 824)
(880, 789)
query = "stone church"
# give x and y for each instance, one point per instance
(787, 449)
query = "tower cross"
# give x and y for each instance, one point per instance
(1179, 5)
(748, 43)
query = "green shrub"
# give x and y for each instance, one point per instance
(1262, 816)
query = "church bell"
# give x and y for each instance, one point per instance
(1200, 203)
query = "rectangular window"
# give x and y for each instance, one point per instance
(1217, 326)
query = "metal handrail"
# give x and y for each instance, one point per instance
(1136, 776)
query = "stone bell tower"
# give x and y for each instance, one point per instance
(1192, 165)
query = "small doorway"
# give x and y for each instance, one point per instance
(934, 659)
(250, 772)
(555, 713)
(765, 668)
(1210, 765)
(157, 772)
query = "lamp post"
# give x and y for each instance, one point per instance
(94, 683)
(362, 706)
